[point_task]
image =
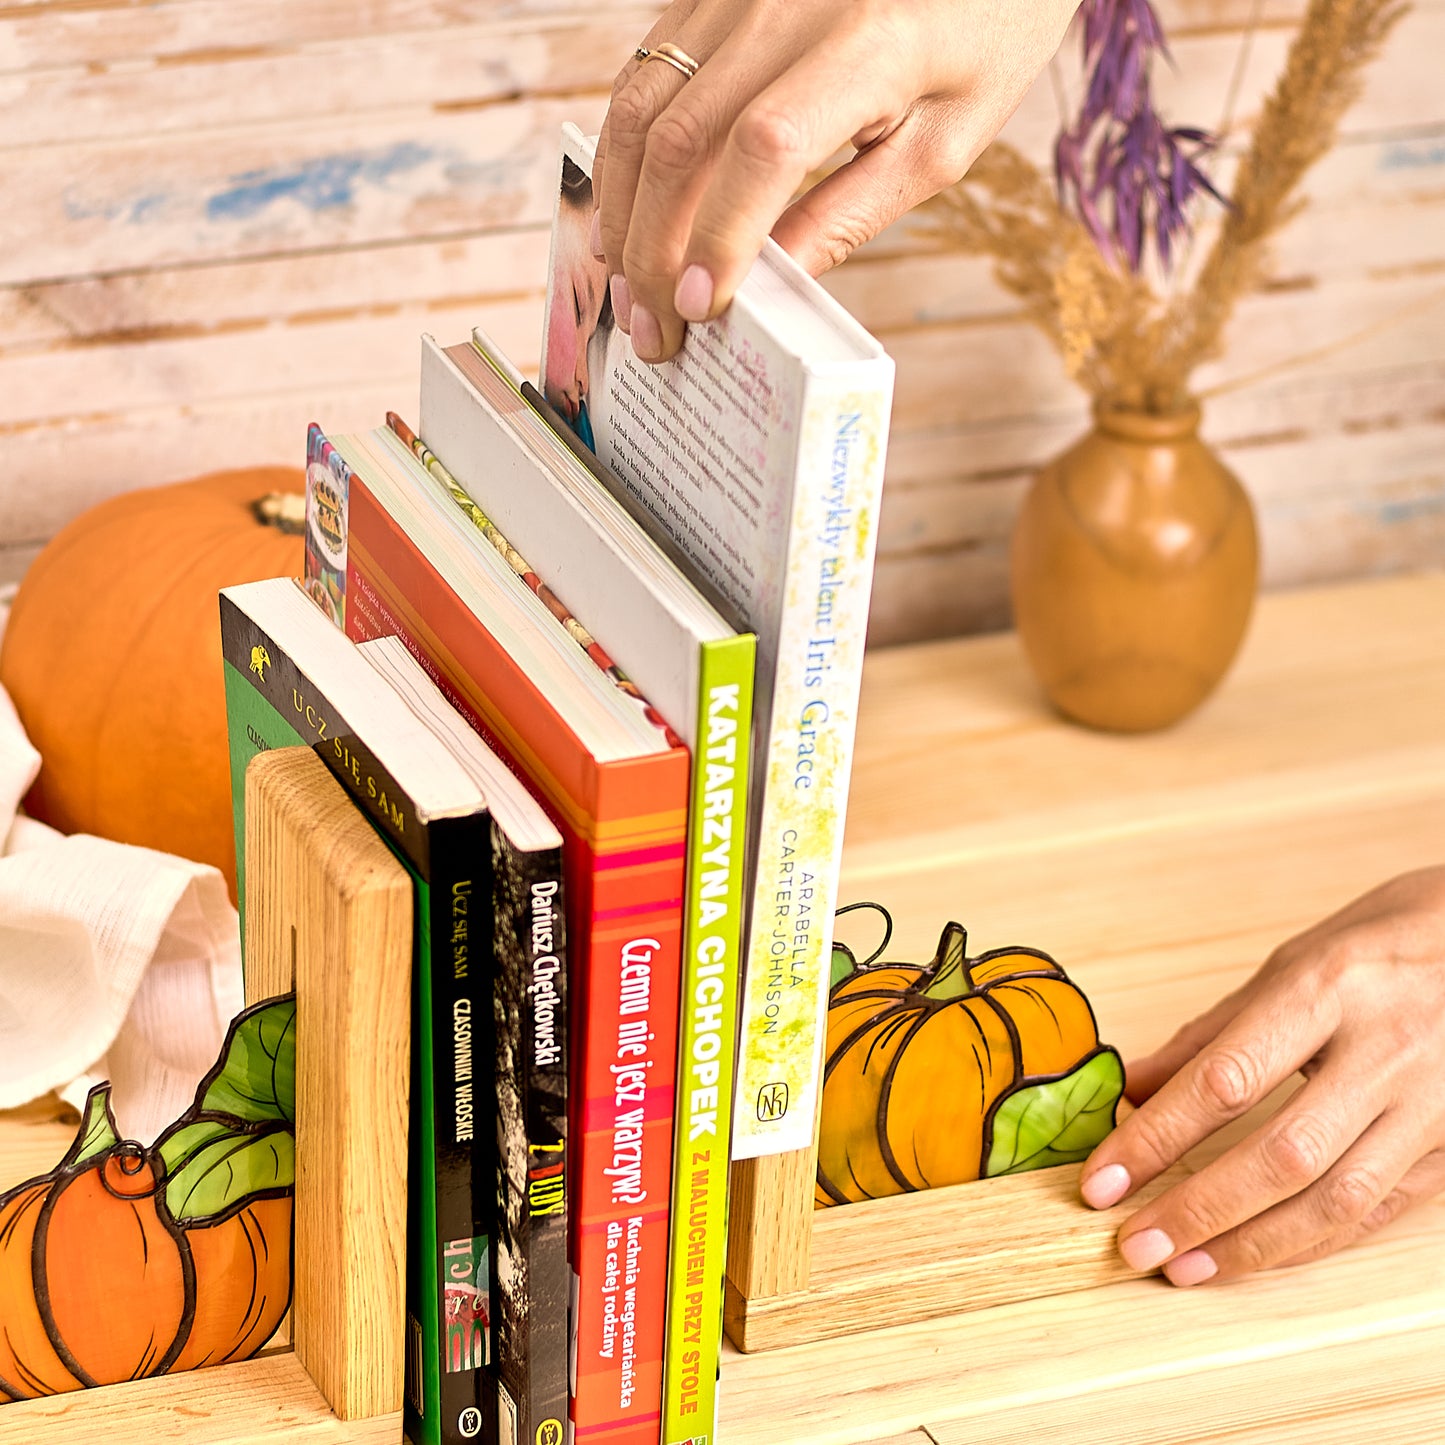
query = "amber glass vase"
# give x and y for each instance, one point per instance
(1135, 562)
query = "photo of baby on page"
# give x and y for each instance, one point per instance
(580, 325)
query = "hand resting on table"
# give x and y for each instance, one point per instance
(1356, 1004)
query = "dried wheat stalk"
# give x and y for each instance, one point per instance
(1122, 341)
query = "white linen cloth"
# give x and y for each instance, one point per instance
(115, 962)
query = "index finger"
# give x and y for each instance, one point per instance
(782, 134)
(1267, 1042)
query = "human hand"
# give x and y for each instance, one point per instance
(1357, 1004)
(693, 174)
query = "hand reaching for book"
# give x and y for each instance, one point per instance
(694, 173)
(1356, 1004)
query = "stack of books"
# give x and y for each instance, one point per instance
(588, 655)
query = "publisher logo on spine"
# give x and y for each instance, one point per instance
(549, 1432)
(469, 1422)
(772, 1102)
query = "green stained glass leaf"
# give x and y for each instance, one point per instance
(97, 1133)
(1059, 1122)
(255, 1080)
(213, 1169)
(843, 964)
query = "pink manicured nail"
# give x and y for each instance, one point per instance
(1194, 1266)
(594, 239)
(693, 298)
(1105, 1187)
(646, 334)
(622, 301)
(1146, 1250)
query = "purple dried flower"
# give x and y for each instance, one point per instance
(1119, 151)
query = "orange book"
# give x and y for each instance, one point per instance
(623, 820)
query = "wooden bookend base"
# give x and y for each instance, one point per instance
(939, 1252)
(329, 911)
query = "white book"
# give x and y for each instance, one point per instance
(756, 457)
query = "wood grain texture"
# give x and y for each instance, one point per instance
(1384, 1387)
(939, 1253)
(270, 1401)
(1067, 1357)
(1160, 871)
(770, 1224)
(234, 219)
(36, 1137)
(326, 898)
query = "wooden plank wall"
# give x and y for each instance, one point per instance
(222, 218)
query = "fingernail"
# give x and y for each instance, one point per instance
(622, 301)
(646, 334)
(693, 298)
(1105, 1187)
(594, 238)
(1146, 1250)
(1194, 1266)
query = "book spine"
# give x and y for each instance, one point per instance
(455, 949)
(530, 1010)
(712, 956)
(842, 440)
(625, 871)
(448, 1266)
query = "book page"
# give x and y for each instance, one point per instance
(705, 443)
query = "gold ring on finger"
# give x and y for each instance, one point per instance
(673, 55)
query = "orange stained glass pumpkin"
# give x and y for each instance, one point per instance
(957, 1069)
(126, 1261)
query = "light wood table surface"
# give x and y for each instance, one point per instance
(1160, 870)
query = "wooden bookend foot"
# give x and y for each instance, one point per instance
(941, 1252)
(329, 911)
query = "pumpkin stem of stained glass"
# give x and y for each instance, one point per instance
(951, 980)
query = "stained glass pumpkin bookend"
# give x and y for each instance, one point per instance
(126, 1261)
(957, 1070)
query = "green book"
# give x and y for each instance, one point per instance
(466, 829)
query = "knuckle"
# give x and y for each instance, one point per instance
(1199, 1216)
(1391, 1207)
(841, 239)
(1228, 1080)
(1250, 1250)
(947, 166)
(678, 141)
(630, 113)
(1349, 1196)
(1297, 1151)
(952, 150)
(768, 137)
(1150, 1139)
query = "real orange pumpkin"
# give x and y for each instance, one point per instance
(112, 657)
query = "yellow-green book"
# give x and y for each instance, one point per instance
(707, 1041)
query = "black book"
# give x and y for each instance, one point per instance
(524, 1171)
(450, 809)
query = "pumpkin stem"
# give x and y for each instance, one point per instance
(285, 511)
(948, 973)
(97, 1134)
